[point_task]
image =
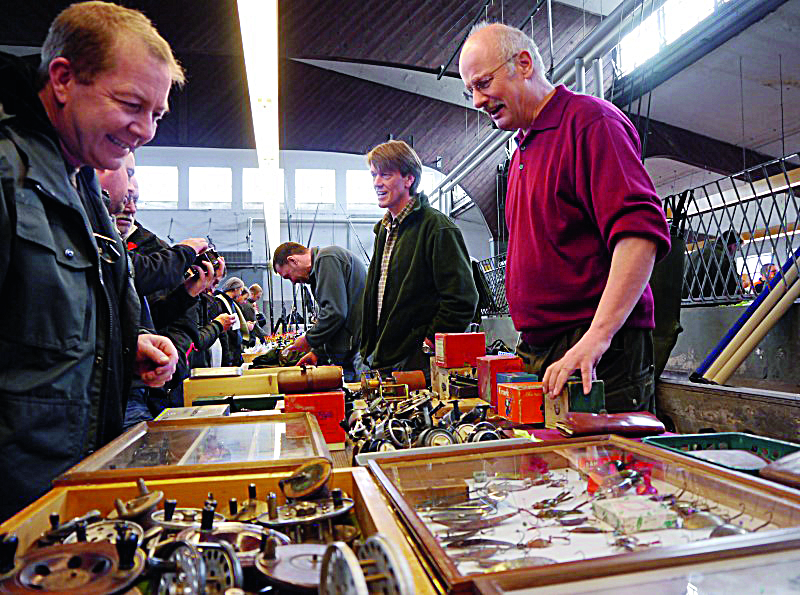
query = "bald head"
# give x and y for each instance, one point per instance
(503, 72)
(118, 183)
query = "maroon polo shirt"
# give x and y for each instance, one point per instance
(576, 186)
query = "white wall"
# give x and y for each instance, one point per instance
(239, 229)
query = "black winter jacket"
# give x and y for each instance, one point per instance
(68, 320)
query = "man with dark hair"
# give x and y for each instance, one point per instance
(579, 204)
(337, 278)
(68, 359)
(420, 280)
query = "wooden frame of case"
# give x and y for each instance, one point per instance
(706, 478)
(371, 508)
(86, 471)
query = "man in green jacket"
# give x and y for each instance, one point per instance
(419, 281)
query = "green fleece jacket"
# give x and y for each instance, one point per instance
(429, 288)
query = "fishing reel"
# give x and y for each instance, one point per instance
(377, 568)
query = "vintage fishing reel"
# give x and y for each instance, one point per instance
(378, 568)
(87, 567)
(295, 568)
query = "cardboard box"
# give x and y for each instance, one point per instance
(456, 350)
(440, 378)
(521, 402)
(572, 398)
(194, 412)
(488, 368)
(510, 377)
(327, 407)
(634, 513)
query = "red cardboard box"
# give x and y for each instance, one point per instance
(521, 402)
(456, 350)
(488, 367)
(327, 407)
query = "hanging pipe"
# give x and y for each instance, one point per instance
(580, 76)
(597, 70)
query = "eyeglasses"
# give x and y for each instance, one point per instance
(128, 199)
(107, 248)
(485, 81)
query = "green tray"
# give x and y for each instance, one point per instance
(767, 448)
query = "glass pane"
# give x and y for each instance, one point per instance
(360, 192)
(210, 187)
(314, 187)
(256, 189)
(158, 186)
(218, 443)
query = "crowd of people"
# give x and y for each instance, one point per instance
(103, 320)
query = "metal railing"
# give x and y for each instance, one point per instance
(739, 231)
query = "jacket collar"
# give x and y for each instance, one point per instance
(420, 201)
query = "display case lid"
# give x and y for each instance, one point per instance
(190, 447)
(625, 506)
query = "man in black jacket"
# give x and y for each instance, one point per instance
(420, 279)
(69, 321)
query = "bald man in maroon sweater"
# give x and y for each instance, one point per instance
(585, 224)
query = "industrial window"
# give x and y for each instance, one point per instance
(661, 28)
(210, 187)
(158, 187)
(314, 187)
(257, 188)
(360, 191)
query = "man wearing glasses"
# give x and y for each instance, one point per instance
(585, 224)
(69, 328)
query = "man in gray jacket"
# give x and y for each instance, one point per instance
(337, 279)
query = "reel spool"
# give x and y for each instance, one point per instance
(223, 570)
(79, 568)
(378, 568)
(182, 569)
(244, 538)
(308, 480)
(107, 531)
(295, 567)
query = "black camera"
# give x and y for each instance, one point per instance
(209, 255)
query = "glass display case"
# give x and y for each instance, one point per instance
(190, 447)
(749, 575)
(579, 509)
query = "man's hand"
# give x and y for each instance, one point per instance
(201, 281)
(583, 356)
(250, 324)
(226, 320)
(156, 360)
(309, 359)
(300, 344)
(199, 245)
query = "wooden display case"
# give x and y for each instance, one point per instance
(430, 494)
(371, 509)
(213, 446)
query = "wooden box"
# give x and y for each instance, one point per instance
(194, 447)
(512, 476)
(371, 509)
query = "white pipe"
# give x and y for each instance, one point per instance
(597, 70)
(760, 331)
(755, 319)
(580, 76)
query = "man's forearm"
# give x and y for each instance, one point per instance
(631, 267)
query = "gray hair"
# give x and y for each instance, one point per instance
(512, 41)
(230, 284)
